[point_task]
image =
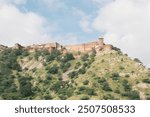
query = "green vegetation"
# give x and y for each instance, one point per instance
(55, 75)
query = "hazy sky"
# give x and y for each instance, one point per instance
(123, 23)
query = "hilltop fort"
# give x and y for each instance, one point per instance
(83, 48)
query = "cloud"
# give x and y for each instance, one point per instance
(16, 2)
(19, 27)
(85, 20)
(126, 24)
(54, 4)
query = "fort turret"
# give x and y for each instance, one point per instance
(101, 41)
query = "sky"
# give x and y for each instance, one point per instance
(123, 23)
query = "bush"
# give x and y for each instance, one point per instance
(82, 88)
(133, 95)
(77, 65)
(115, 76)
(90, 91)
(121, 67)
(65, 66)
(101, 80)
(56, 86)
(108, 97)
(53, 69)
(82, 70)
(49, 77)
(25, 86)
(68, 57)
(127, 86)
(86, 82)
(37, 54)
(127, 75)
(73, 74)
(84, 57)
(106, 87)
(102, 61)
(146, 80)
(54, 54)
(48, 97)
(65, 93)
(85, 97)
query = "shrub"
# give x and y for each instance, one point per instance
(25, 86)
(48, 97)
(77, 65)
(65, 66)
(102, 61)
(127, 86)
(106, 87)
(115, 76)
(108, 97)
(146, 80)
(68, 57)
(121, 67)
(90, 91)
(82, 88)
(85, 97)
(86, 82)
(53, 69)
(73, 74)
(133, 95)
(49, 77)
(127, 75)
(101, 80)
(82, 70)
(117, 90)
(84, 57)
(37, 54)
(53, 55)
(56, 86)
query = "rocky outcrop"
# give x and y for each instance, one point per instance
(17, 46)
(2, 47)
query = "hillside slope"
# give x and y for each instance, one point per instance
(56, 75)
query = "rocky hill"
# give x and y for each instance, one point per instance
(86, 71)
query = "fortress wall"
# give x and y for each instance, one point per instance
(79, 47)
(108, 47)
(48, 46)
(84, 47)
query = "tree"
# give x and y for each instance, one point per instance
(93, 54)
(85, 82)
(84, 57)
(53, 69)
(25, 86)
(54, 54)
(73, 74)
(68, 57)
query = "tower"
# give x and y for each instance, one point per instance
(101, 41)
